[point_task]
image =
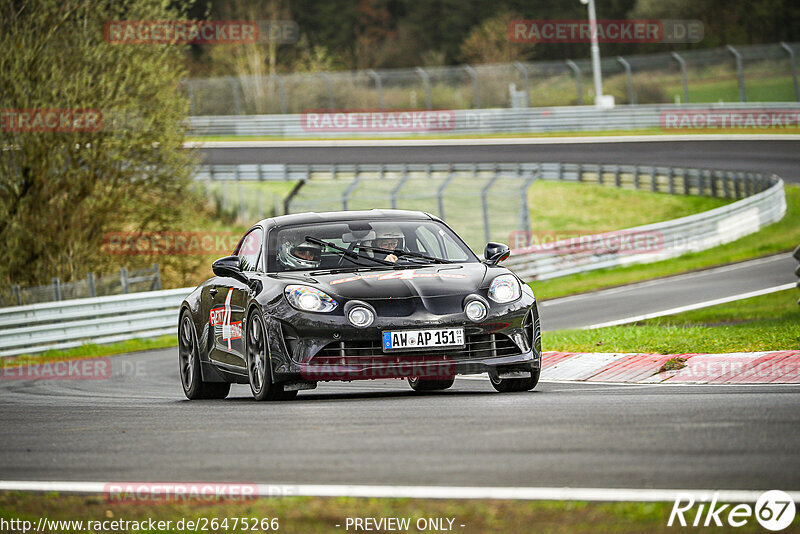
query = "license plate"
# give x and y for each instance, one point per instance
(423, 339)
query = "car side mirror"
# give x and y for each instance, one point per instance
(495, 253)
(229, 267)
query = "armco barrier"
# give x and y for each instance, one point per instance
(66, 324)
(797, 270)
(678, 236)
(507, 120)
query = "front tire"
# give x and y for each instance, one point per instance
(508, 385)
(421, 384)
(259, 367)
(189, 361)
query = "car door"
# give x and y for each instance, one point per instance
(226, 317)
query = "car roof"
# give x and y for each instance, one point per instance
(341, 216)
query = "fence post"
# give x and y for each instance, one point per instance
(684, 82)
(281, 92)
(156, 278)
(713, 176)
(190, 92)
(485, 203)
(794, 70)
(578, 85)
(653, 184)
(350, 189)
(287, 202)
(440, 191)
(123, 279)
(378, 86)
(525, 218)
(636, 177)
(524, 70)
(686, 184)
(671, 178)
(328, 87)
(399, 186)
(18, 292)
(426, 81)
(237, 102)
(739, 71)
(476, 94)
(91, 284)
(56, 288)
(701, 182)
(629, 78)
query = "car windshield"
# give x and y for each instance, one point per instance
(358, 244)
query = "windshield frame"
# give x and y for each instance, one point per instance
(272, 245)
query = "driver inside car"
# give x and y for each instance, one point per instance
(390, 239)
(302, 255)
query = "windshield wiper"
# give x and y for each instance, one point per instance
(350, 254)
(397, 252)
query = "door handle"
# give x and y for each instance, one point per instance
(213, 291)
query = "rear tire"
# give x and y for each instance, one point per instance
(259, 366)
(189, 365)
(421, 384)
(508, 385)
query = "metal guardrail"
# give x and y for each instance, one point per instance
(797, 270)
(481, 121)
(59, 325)
(72, 323)
(91, 286)
(672, 238)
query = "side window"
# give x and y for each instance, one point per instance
(250, 251)
(427, 242)
(454, 252)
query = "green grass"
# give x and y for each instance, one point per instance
(765, 323)
(781, 236)
(561, 206)
(91, 351)
(314, 514)
(774, 89)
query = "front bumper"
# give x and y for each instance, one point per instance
(315, 347)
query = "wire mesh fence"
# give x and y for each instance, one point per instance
(133, 281)
(761, 73)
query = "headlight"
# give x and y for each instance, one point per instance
(360, 316)
(309, 299)
(476, 310)
(505, 288)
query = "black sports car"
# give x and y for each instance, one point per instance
(357, 295)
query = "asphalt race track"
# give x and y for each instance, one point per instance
(653, 296)
(136, 426)
(779, 156)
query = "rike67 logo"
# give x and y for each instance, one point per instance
(774, 510)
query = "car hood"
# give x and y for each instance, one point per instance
(433, 281)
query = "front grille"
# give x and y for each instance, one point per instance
(478, 346)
